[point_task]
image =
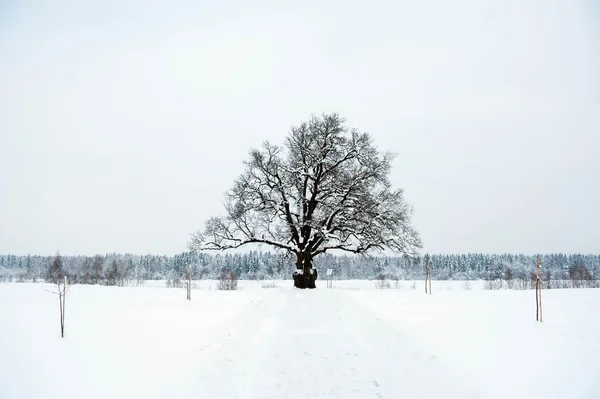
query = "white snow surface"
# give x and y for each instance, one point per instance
(353, 341)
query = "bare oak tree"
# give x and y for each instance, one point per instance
(327, 188)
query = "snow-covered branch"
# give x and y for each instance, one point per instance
(327, 188)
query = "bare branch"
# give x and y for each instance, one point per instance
(327, 189)
(52, 292)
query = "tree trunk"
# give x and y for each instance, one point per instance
(305, 275)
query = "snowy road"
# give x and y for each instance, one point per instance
(318, 344)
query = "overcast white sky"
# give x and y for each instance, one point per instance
(122, 123)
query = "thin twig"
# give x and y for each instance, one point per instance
(52, 292)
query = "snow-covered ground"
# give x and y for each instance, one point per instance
(354, 341)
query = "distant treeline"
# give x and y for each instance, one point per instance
(117, 269)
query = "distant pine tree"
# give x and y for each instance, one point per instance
(55, 270)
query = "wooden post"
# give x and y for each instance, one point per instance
(540, 287)
(62, 301)
(60, 306)
(538, 292)
(537, 302)
(189, 283)
(429, 273)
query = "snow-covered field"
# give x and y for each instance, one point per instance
(354, 341)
